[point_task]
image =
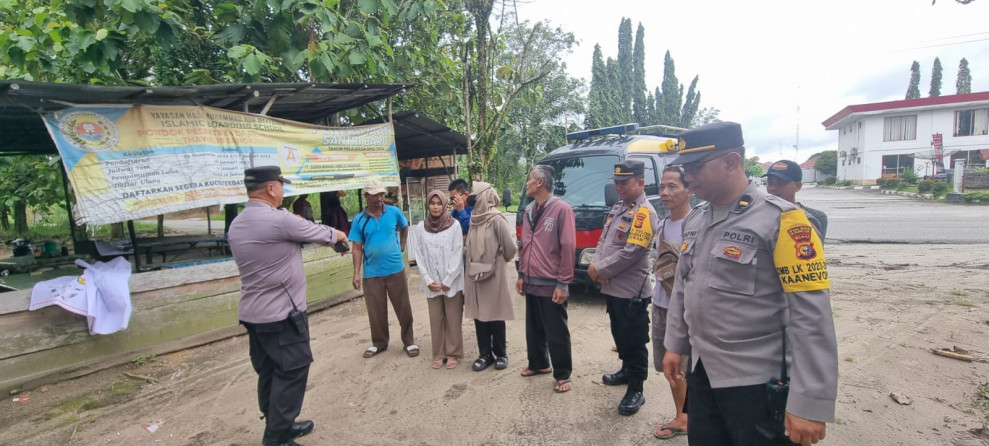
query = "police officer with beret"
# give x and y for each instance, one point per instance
(266, 243)
(620, 265)
(750, 305)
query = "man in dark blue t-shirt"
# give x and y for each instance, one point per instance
(378, 234)
(458, 197)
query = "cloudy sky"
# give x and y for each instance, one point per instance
(759, 61)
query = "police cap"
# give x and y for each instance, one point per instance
(716, 138)
(629, 169)
(263, 174)
(785, 170)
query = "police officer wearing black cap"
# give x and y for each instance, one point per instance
(750, 305)
(785, 179)
(266, 243)
(620, 265)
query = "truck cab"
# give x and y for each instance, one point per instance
(583, 180)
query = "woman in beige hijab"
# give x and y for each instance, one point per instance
(488, 299)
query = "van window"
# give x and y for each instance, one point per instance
(652, 187)
(580, 181)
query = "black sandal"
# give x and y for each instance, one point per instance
(501, 363)
(481, 363)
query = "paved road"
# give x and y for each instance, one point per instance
(863, 216)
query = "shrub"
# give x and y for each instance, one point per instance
(941, 188)
(881, 182)
(844, 183)
(829, 181)
(980, 196)
(892, 183)
(925, 186)
(908, 176)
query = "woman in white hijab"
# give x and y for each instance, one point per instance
(488, 298)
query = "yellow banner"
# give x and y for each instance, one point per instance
(126, 163)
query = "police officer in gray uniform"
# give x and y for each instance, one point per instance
(750, 305)
(620, 265)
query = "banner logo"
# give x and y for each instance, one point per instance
(89, 131)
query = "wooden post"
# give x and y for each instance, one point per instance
(68, 205)
(161, 226)
(133, 243)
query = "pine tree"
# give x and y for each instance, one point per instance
(597, 107)
(690, 104)
(625, 71)
(658, 117)
(650, 110)
(913, 90)
(672, 93)
(639, 104)
(964, 83)
(936, 79)
(616, 113)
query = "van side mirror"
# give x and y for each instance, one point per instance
(506, 197)
(610, 194)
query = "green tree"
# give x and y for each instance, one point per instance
(964, 83)
(706, 115)
(936, 79)
(597, 107)
(639, 103)
(913, 90)
(672, 98)
(690, 104)
(752, 168)
(616, 113)
(30, 181)
(626, 71)
(650, 118)
(827, 163)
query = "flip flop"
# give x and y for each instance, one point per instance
(527, 372)
(438, 364)
(412, 350)
(452, 362)
(558, 387)
(371, 352)
(676, 432)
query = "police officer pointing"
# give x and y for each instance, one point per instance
(620, 265)
(750, 304)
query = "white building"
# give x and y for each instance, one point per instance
(885, 138)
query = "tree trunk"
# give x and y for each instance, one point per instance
(5, 219)
(481, 10)
(20, 217)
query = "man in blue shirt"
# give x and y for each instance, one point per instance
(378, 234)
(461, 209)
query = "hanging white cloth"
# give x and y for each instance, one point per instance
(101, 294)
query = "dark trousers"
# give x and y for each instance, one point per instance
(547, 336)
(377, 292)
(490, 338)
(630, 330)
(281, 357)
(731, 416)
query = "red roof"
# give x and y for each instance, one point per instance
(906, 103)
(809, 164)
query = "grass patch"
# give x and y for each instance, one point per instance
(966, 302)
(958, 293)
(981, 400)
(118, 392)
(143, 359)
(932, 302)
(70, 406)
(849, 359)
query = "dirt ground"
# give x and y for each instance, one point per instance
(892, 305)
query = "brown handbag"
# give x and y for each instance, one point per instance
(665, 266)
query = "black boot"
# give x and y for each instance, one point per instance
(615, 379)
(632, 400)
(278, 438)
(301, 428)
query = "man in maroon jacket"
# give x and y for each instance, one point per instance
(546, 261)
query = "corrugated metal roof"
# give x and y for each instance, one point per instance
(21, 103)
(417, 136)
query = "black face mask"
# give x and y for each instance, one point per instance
(471, 199)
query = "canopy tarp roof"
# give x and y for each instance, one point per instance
(22, 102)
(417, 136)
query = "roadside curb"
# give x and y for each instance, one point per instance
(908, 194)
(849, 187)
